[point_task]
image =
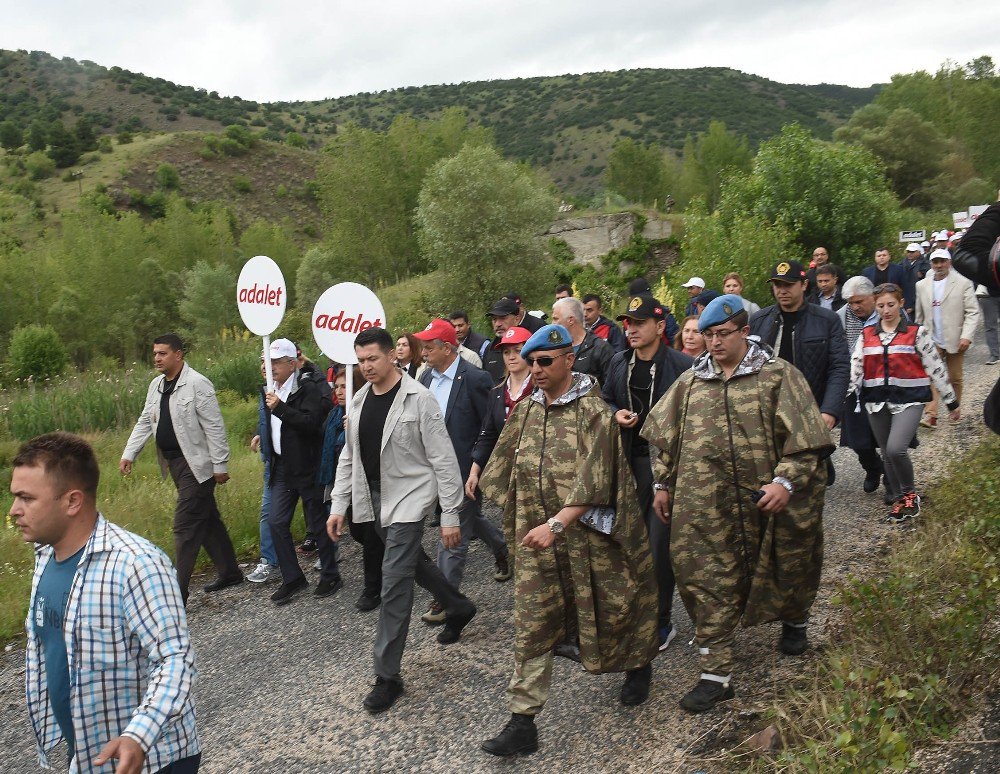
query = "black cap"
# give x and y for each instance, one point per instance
(787, 271)
(514, 296)
(643, 307)
(502, 308)
(706, 297)
(638, 286)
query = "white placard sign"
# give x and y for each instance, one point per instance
(261, 298)
(340, 314)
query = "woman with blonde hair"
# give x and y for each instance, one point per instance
(733, 283)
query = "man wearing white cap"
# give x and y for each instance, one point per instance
(694, 287)
(916, 265)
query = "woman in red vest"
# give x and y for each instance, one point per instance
(892, 368)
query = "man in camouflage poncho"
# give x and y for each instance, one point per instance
(558, 455)
(741, 422)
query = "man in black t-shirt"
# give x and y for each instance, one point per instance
(398, 463)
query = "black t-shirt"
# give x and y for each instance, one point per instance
(166, 438)
(881, 276)
(640, 387)
(786, 350)
(370, 426)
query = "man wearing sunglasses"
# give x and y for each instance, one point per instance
(582, 587)
(740, 479)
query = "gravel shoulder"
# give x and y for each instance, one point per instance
(280, 689)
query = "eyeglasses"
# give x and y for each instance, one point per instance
(721, 335)
(887, 287)
(545, 360)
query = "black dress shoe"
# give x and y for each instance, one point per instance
(453, 626)
(871, 482)
(224, 583)
(368, 602)
(288, 590)
(328, 588)
(383, 695)
(635, 689)
(519, 737)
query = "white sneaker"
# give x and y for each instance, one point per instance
(667, 636)
(264, 572)
(318, 566)
(993, 361)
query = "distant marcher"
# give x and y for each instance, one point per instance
(694, 286)
(467, 337)
(397, 463)
(946, 306)
(704, 298)
(592, 354)
(525, 319)
(892, 367)
(826, 293)
(821, 257)
(182, 414)
(917, 266)
(109, 664)
(563, 291)
(595, 322)
(733, 284)
(689, 339)
(740, 480)
(409, 353)
(503, 315)
(588, 588)
(883, 270)
(267, 569)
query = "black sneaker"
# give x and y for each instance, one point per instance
(368, 602)
(287, 591)
(706, 694)
(308, 546)
(383, 695)
(635, 689)
(224, 583)
(502, 569)
(454, 624)
(519, 737)
(871, 482)
(794, 640)
(328, 588)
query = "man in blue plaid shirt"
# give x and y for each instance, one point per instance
(109, 662)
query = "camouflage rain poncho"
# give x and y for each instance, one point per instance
(598, 587)
(761, 423)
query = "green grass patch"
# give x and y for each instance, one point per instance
(916, 641)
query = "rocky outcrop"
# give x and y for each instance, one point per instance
(591, 237)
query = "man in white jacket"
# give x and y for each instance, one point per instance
(946, 305)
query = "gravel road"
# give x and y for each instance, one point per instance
(280, 689)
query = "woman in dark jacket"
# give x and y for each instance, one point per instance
(408, 354)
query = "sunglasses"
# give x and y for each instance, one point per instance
(545, 360)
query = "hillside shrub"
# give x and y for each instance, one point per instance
(241, 184)
(104, 145)
(36, 352)
(39, 165)
(167, 177)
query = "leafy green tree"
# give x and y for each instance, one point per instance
(11, 136)
(37, 136)
(207, 305)
(708, 159)
(636, 171)
(86, 139)
(276, 242)
(64, 149)
(481, 219)
(317, 272)
(36, 352)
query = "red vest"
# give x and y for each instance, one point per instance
(894, 372)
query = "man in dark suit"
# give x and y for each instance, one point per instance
(462, 391)
(467, 337)
(884, 270)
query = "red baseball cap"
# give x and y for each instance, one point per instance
(439, 329)
(513, 335)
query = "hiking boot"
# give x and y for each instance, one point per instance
(383, 695)
(264, 573)
(872, 481)
(307, 546)
(706, 694)
(435, 615)
(454, 624)
(905, 508)
(368, 602)
(794, 640)
(328, 588)
(667, 634)
(288, 590)
(635, 689)
(519, 737)
(503, 569)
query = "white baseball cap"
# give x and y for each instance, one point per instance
(694, 282)
(913, 247)
(282, 348)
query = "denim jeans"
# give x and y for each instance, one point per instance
(267, 552)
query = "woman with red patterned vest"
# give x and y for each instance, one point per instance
(892, 368)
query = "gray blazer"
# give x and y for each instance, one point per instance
(418, 465)
(197, 421)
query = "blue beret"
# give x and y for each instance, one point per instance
(720, 310)
(547, 337)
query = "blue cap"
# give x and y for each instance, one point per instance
(547, 337)
(722, 309)
(706, 297)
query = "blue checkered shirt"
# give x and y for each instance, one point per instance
(131, 667)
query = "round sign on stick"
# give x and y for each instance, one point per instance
(340, 314)
(261, 296)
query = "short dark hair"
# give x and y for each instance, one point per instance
(564, 288)
(883, 250)
(592, 297)
(827, 268)
(65, 457)
(172, 340)
(378, 336)
(458, 314)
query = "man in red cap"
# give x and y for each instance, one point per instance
(462, 391)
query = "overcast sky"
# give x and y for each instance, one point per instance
(310, 50)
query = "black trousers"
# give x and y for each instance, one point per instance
(183, 766)
(197, 523)
(284, 497)
(659, 538)
(372, 553)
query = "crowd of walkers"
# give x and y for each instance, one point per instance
(630, 458)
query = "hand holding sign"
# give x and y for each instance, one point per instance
(261, 299)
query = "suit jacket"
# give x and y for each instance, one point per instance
(476, 342)
(959, 308)
(467, 407)
(898, 276)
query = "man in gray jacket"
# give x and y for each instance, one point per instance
(398, 462)
(182, 414)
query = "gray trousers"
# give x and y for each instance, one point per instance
(451, 561)
(894, 433)
(405, 561)
(990, 307)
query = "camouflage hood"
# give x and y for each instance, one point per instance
(580, 386)
(757, 354)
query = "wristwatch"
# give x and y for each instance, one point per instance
(783, 482)
(661, 488)
(555, 525)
